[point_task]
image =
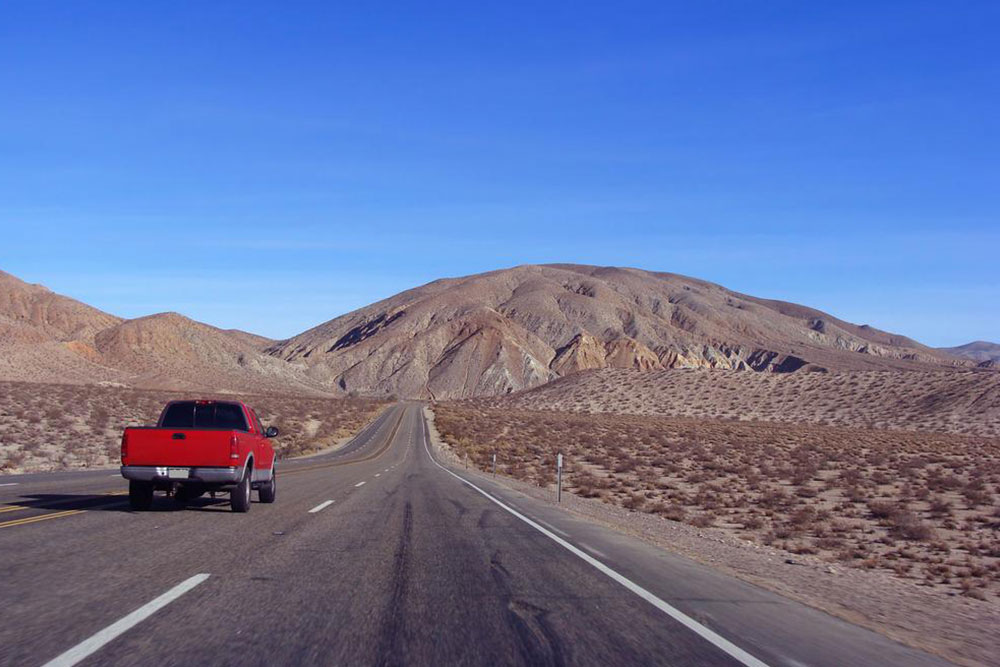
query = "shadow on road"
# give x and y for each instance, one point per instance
(114, 503)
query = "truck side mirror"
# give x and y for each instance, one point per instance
(271, 432)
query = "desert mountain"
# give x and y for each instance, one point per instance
(33, 313)
(170, 351)
(980, 351)
(507, 330)
(45, 337)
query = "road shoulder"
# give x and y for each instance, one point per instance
(960, 630)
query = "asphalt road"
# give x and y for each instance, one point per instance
(375, 555)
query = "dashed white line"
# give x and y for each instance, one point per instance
(359, 484)
(378, 474)
(95, 642)
(694, 626)
(10, 484)
(322, 506)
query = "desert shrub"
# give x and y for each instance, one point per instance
(882, 509)
(671, 511)
(906, 525)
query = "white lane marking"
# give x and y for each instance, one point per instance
(378, 474)
(322, 506)
(89, 646)
(359, 484)
(694, 626)
(10, 484)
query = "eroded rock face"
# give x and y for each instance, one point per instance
(629, 353)
(585, 352)
(582, 353)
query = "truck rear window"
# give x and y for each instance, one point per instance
(195, 414)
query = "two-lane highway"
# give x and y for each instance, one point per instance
(376, 554)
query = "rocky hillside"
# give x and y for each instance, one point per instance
(45, 337)
(983, 353)
(504, 331)
(32, 313)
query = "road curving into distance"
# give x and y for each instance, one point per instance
(375, 554)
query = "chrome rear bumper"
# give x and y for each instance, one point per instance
(229, 475)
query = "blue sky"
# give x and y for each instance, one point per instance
(269, 166)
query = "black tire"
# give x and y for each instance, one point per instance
(268, 489)
(239, 497)
(140, 495)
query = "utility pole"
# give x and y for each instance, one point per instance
(559, 478)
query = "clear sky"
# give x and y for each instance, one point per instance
(269, 166)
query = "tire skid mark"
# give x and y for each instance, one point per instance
(392, 637)
(538, 643)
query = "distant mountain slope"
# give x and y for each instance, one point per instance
(507, 330)
(980, 351)
(170, 351)
(251, 339)
(46, 337)
(34, 313)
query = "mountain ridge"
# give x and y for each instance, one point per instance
(522, 326)
(484, 334)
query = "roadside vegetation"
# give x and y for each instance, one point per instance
(921, 505)
(52, 427)
(940, 401)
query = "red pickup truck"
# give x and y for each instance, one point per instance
(198, 447)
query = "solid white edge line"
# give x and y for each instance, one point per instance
(95, 642)
(359, 484)
(322, 506)
(710, 636)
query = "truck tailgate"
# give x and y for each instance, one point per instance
(178, 447)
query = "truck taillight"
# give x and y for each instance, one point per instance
(124, 447)
(234, 447)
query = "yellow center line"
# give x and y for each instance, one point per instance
(41, 517)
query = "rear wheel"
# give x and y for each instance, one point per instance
(140, 494)
(268, 489)
(239, 497)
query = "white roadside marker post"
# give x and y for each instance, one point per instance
(494, 464)
(558, 478)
